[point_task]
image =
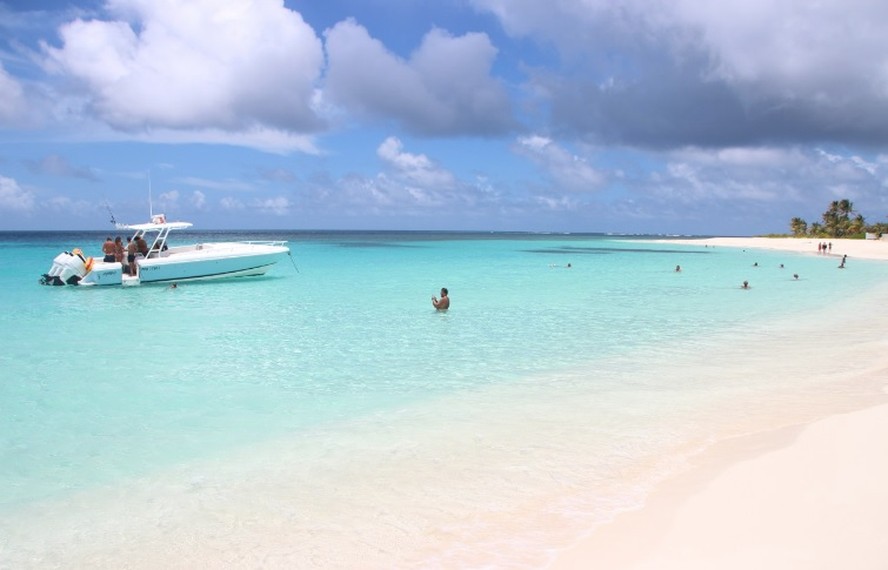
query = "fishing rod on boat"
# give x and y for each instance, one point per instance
(114, 221)
(108, 207)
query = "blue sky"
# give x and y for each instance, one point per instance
(637, 116)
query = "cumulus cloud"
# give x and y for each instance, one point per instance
(415, 169)
(198, 199)
(711, 74)
(722, 190)
(567, 170)
(279, 206)
(409, 185)
(445, 87)
(14, 197)
(231, 65)
(168, 201)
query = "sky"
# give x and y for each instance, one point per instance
(624, 116)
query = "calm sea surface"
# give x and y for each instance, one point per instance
(327, 415)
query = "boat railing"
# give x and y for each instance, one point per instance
(265, 242)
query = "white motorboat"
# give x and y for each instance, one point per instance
(159, 263)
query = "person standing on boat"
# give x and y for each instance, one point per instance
(118, 250)
(443, 303)
(142, 245)
(131, 248)
(108, 250)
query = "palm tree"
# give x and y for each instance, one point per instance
(857, 225)
(837, 219)
(798, 226)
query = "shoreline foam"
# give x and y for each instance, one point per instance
(809, 496)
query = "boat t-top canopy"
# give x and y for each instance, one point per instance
(152, 227)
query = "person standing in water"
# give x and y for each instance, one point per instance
(443, 303)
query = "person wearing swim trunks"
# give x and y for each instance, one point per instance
(119, 252)
(108, 250)
(131, 248)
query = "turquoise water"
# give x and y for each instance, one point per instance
(106, 388)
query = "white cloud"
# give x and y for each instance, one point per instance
(787, 176)
(822, 49)
(167, 201)
(13, 197)
(734, 73)
(792, 47)
(228, 184)
(445, 87)
(569, 171)
(743, 157)
(271, 140)
(413, 168)
(198, 199)
(231, 204)
(231, 65)
(279, 206)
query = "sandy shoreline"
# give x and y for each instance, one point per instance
(804, 497)
(853, 248)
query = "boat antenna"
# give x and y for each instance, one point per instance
(150, 205)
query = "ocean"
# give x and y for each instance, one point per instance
(326, 416)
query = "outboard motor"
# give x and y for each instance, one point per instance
(68, 268)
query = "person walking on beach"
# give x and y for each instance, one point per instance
(443, 303)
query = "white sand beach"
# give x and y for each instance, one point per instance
(811, 496)
(859, 248)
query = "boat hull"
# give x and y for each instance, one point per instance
(188, 263)
(164, 270)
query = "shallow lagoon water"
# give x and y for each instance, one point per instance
(329, 414)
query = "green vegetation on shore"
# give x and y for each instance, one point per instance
(839, 221)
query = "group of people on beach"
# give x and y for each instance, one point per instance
(115, 251)
(824, 247)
